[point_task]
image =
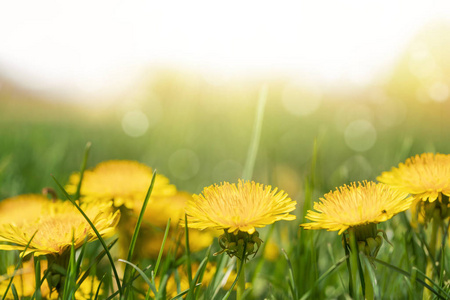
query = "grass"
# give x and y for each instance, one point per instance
(306, 156)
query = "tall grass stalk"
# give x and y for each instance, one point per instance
(256, 135)
(127, 273)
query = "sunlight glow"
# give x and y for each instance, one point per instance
(97, 46)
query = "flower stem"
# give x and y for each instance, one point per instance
(350, 277)
(435, 226)
(240, 265)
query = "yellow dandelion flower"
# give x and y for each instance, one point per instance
(24, 280)
(57, 225)
(355, 205)
(122, 181)
(358, 207)
(427, 178)
(238, 210)
(244, 207)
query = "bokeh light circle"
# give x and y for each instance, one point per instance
(360, 135)
(184, 164)
(135, 123)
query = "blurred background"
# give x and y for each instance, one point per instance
(175, 85)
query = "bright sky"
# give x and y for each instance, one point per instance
(89, 46)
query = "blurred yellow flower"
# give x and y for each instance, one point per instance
(356, 205)
(25, 283)
(56, 225)
(243, 208)
(155, 221)
(271, 251)
(88, 289)
(427, 178)
(123, 181)
(24, 280)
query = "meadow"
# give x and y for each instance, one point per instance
(201, 134)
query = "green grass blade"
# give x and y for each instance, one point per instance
(114, 294)
(183, 293)
(198, 275)
(332, 256)
(162, 287)
(324, 275)
(14, 291)
(202, 272)
(256, 136)
(434, 283)
(403, 272)
(37, 276)
(80, 258)
(97, 259)
(292, 285)
(441, 256)
(97, 293)
(176, 276)
(146, 279)
(214, 286)
(188, 252)
(147, 295)
(137, 228)
(361, 273)
(46, 274)
(102, 241)
(372, 277)
(161, 250)
(83, 168)
(70, 279)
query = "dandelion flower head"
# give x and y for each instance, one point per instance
(356, 205)
(425, 176)
(123, 181)
(242, 207)
(57, 225)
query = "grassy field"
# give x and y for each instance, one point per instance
(200, 134)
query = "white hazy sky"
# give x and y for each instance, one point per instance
(90, 46)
